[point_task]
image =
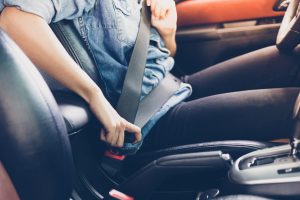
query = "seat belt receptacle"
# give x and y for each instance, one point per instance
(112, 163)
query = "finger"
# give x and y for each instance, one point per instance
(153, 7)
(170, 6)
(162, 13)
(115, 137)
(165, 6)
(148, 2)
(138, 137)
(157, 9)
(121, 133)
(120, 142)
(135, 130)
(102, 135)
(168, 13)
(119, 130)
(172, 15)
(153, 21)
(131, 127)
(109, 136)
(173, 7)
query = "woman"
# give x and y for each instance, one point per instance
(214, 111)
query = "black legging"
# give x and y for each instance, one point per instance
(248, 97)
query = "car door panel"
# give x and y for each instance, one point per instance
(199, 12)
(211, 31)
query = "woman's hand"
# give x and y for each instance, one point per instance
(114, 125)
(164, 16)
(164, 19)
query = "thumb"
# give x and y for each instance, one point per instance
(148, 2)
(131, 128)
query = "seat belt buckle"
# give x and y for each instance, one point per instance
(112, 163)
(113, 155)
(115, 194)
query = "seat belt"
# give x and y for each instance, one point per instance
(129, 100)
(129, 105)
(156, 99)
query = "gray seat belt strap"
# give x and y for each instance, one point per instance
(130, 97)
(156, 99)
(129, 105)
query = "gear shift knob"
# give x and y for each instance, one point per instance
(295, 141)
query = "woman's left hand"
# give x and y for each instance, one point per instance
(163, 17)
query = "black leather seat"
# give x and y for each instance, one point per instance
(34, 145)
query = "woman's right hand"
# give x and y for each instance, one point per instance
(115, 126)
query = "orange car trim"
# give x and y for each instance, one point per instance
(200, 12)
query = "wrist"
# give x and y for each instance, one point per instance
(169, 38)
(170, 43)
(90, 93)
(170, 35)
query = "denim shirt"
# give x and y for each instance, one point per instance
(109, 29)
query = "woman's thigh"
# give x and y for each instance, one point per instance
(264, 68)
(250, 115)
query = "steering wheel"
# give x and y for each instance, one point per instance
(289, 33)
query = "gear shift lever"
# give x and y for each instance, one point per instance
(295, 141)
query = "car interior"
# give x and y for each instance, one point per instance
(49, 140)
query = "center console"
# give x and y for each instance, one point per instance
(272, 172)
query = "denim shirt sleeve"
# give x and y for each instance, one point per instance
(52, 10)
